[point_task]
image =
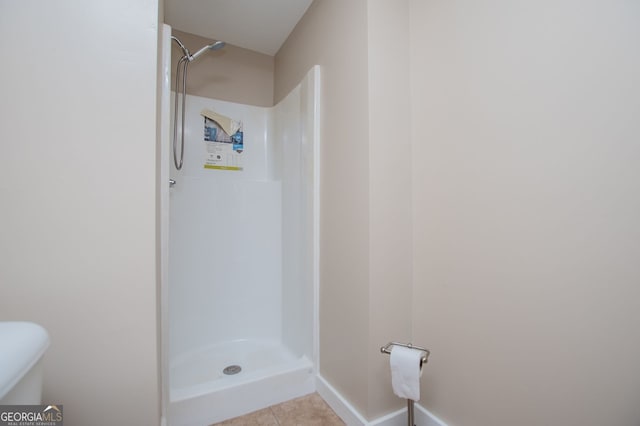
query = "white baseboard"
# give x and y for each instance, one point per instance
(341, 406)
(397, 418)
(352, 417)
(424, 417)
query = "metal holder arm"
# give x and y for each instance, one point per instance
(386, 349)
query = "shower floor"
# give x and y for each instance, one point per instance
(200, 393)
(202, 371)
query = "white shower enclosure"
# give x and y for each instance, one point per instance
(239, 256)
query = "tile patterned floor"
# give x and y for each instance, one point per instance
(310, 410)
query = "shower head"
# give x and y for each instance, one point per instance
(217, 45)
(214, 46)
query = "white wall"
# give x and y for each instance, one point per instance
(77, 223)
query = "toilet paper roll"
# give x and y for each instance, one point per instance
(406, 372)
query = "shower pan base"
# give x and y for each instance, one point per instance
(201, 393)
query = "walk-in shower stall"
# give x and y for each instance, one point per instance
(239, 255)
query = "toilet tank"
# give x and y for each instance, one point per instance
(22, 345)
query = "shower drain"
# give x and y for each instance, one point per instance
(232, 369)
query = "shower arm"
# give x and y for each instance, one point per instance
(185, 51)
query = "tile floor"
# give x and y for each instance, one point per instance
(310, 410)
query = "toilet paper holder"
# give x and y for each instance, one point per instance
(386, 349)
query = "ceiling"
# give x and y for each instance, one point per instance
(260, 25)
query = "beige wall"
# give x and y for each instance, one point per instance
(526, 200)
(77, 229)
(365, 271)
(390, 284)
(344, 199)
(230, 74)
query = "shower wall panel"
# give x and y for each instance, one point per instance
(258, 155)
(296, 313)
(225, 268)
(295, 120)
(242, 242)
(225, 262)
